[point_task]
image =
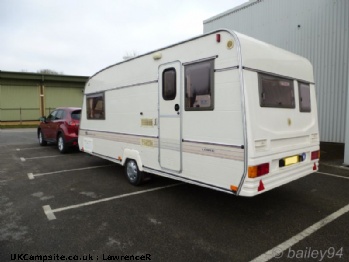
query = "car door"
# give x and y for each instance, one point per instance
(46, 128)
(57, 122)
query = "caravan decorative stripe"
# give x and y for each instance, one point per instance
(191, 147)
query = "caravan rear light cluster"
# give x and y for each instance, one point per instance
(315, 155)
(257, 171)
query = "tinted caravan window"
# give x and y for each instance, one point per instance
(304, 97)
(95, 106)
(169, 84)
(199, 86)
(276, 92)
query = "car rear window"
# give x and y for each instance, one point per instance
(76, 114)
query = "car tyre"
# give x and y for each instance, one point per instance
(42, 141)
(134, 176)
(62, 147)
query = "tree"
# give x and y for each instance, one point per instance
(49, 72)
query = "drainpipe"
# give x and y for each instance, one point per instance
(42, 96)
(346, 151)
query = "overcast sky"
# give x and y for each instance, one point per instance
(80, 37)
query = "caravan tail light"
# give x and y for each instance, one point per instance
(257, 171)
(315, 155)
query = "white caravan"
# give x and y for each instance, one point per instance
(221, 110)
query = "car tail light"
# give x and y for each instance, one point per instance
(257, 171)
(315, 155)
(72, 123)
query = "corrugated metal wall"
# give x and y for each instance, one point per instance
(26, 96)
(19, 103)
(56, 96)
(315, 29)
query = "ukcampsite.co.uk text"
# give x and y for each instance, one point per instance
(57, 257)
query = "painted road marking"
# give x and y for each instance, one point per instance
(28, 148)
(277, 252)
(328, 174)
(32, 176)
(50, 212)
(4, 181)
(39, 157)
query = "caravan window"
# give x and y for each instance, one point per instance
(276, 92)
(304, 97)
(199, 86)
(169, 84)
(95, 106)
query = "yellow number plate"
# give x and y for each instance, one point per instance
(291, 160)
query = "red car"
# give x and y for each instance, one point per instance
(61, 127)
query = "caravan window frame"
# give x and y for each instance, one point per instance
(284, 98)
(169, 87)
(195, 66)
(304, 102)
(93, 116)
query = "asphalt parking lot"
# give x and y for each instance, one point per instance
(76, 207)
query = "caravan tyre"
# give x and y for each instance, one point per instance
(134, 176)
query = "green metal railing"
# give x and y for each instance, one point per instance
(21, 114)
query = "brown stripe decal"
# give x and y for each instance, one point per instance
(209, 149)
(192, 147)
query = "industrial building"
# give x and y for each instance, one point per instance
(28, 96)
(315, 29)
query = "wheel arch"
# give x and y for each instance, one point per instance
(131, 154)
(60, 132)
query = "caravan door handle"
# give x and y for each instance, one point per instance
(176, 107)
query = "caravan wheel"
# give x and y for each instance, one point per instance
(134, 176)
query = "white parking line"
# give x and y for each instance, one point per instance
(39, 157)
(28, 148)
(4, 181)
(50, 212)
(328, 174)
(277, 252)
(32, 176)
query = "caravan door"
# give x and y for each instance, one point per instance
(170, 137)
